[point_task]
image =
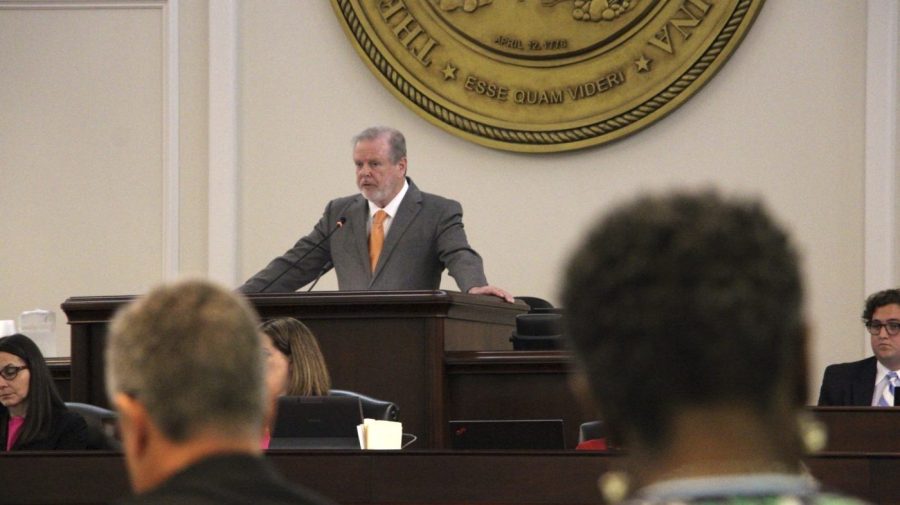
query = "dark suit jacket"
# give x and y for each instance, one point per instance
(228, 479)
(425, 237)
(68, 432)
(848, 384)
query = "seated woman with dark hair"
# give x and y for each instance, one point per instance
(294, 363)
(33, 415)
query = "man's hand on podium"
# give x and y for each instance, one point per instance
(493, 291)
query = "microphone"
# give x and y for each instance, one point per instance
(337, 226)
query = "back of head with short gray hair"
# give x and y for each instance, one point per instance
(190, 353)
(396, 140)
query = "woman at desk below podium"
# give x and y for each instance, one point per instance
(33, 416)
(294, 363)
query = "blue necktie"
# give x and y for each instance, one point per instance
(887, 397)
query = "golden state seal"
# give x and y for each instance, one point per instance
(544, 75)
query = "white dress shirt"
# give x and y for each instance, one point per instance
(390, 209)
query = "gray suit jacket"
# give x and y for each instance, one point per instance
(425, 237)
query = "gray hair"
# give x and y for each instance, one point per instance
(190, 353)
(396, 140)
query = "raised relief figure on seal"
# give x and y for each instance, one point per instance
(466, 5)
(597, 10)
(583, 10)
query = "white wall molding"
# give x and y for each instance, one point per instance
(170, 171)
(223, 142)
(171, 148)
(881, 144)
(70, 5)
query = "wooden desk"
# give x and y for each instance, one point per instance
(439, 355)
(514, 385)
(440, 478)
(61, 371)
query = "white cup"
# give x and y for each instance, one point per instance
(7, 327)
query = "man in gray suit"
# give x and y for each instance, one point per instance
(422, 233)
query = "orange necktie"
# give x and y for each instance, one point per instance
(376, 238)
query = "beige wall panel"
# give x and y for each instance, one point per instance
(783, 120)
(80, 155)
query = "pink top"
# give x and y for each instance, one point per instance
(267, 437)
(12, 433)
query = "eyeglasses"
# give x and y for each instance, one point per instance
(875, 326)
(10, 372)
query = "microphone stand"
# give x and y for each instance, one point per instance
(321, 273)
(338, 226)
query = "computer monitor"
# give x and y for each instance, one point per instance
(542, 434)
(316, 422)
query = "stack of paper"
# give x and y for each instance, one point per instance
(376, 434)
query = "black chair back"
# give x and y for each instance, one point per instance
(373, 408)
(101, 423)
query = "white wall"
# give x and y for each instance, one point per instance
(784, 120)
(81, 130)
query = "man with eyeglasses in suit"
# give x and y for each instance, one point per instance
(871, 381)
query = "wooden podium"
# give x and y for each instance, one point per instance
(860, 430)
(419, 349)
